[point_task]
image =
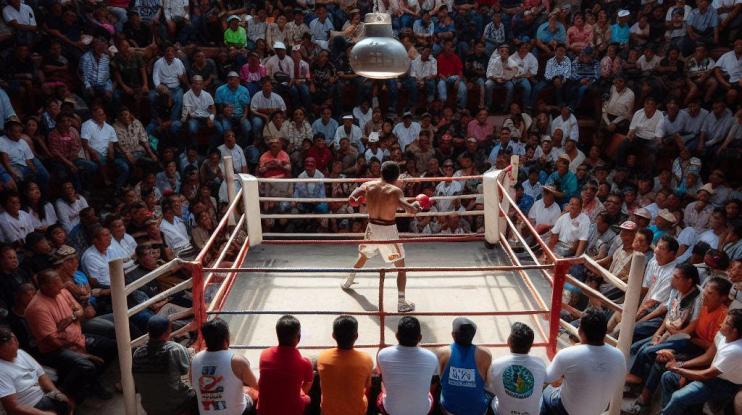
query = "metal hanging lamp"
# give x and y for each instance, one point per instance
(379, 55)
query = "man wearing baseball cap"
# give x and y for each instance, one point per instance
(619, 263)
(235, 35)
(233, 103)
(464, 395)
(311, 190)
(698, 213)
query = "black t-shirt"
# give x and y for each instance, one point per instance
(476, 66)
(141, 35)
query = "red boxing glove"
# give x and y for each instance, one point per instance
(355, 202)
(424, 201)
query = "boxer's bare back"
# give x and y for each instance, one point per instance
(383, 200)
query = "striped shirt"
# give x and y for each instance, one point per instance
(582, 70)
(95, 72)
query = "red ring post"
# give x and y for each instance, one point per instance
(199, 306)
(560, 273)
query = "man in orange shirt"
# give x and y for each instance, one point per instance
(344, 373)
(275, 163)
(54, 318)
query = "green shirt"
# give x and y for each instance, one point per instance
(235, 37)
(130, 68)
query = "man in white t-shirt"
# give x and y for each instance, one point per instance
(24, 386)
(545, 211)
(18, 158)
(657, 285)
(263, 104)
(230, 148)
(407, 131)
(517, 379)
(728, 70)
(590, 372)
(570, 232)
(406, 372)
(98, 138)
(716, 375)
(174, 230)
(198, 108)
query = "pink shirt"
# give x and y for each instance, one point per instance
(282, 157)
(247, 76)
(480, 131)
(580, 38)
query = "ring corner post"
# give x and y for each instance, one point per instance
(560, 272)
(123, 337)
(491, 194)
(251, 202)
(630, 306)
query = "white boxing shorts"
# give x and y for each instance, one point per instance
(390, 252)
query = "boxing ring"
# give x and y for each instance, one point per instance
(250, 278)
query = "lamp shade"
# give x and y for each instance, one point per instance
(379, 55)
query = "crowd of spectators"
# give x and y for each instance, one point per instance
(115, 116)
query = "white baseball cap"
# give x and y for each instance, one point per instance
(373, 137)
(279, 45)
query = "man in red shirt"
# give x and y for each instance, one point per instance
(451, 72)
(321, 153)
(285, 375)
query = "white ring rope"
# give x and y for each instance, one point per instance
(362, 215)
(345, 199)
(361, 180)
(320, 235)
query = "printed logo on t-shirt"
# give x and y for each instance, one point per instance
(212, 390)
(462, 377)
(518, 381)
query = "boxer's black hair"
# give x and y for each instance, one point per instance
(389, 171)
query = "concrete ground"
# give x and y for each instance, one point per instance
(438, 292)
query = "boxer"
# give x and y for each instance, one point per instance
(383, 198)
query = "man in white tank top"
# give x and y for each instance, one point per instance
(220, 376)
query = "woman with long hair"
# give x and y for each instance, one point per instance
(41, 211)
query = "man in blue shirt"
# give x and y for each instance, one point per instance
(310, 190)
(563, 180)
(325, 125)
(238, 98)
(6, 108)
(703, 27)
(463, 367)
(620, 30)
(550, 34)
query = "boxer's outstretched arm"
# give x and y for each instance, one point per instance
(358, 192)
(404, 204)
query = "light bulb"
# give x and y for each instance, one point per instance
(379, 55)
